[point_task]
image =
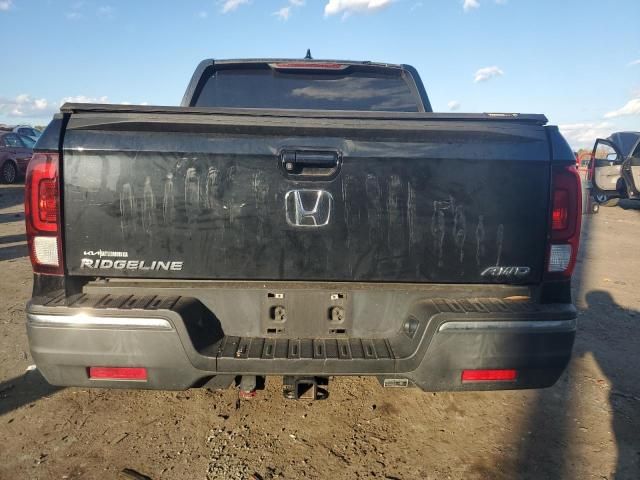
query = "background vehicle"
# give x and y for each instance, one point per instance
(28, 131)
(584, 166)
(616, 167)
(15, 154)
(28, 141)
(304, 219)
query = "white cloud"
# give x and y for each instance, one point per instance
(231, 5)
(202, 14)
(453, 105)
(76, 11)
(23, 106)
(105, 11)
(470, 5)
(5, 5)
(635, 62)
(284, 13)
(416, 5)
(84, 99)
(27, 109)
(487, 73)
(334, 7)
(632, 107)
(581, 135)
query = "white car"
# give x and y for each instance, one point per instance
(27, 131)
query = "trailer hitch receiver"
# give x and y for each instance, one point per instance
(305, 388)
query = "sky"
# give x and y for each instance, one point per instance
(576, 61)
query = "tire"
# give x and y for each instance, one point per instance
(606, 200)
(612, 202)
(622, 188)
(9, 172)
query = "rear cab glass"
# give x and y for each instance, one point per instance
(350, 88)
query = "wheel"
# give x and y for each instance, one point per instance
(9, 172)
(601, 197)
(606, 200)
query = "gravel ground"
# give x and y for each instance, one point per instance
(584, 427)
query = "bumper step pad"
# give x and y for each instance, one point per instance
(295, 349)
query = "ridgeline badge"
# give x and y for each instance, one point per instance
(140, 265)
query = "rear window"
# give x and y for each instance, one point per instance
(350, 90)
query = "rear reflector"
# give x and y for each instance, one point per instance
(489, 375)
(118, 373)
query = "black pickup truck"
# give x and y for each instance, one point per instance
(304, 219)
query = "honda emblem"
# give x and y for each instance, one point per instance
(308, 208)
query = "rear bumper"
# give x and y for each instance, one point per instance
(182, 344)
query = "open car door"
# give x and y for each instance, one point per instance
(631, 172)
(607, 169)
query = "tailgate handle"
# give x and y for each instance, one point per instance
(310, 163)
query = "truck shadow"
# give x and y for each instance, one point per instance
(554, 439)
(24, 390)
(551, 437)
(610, 326)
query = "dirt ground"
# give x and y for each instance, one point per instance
(587, 426)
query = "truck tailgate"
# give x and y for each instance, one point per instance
(186, 193)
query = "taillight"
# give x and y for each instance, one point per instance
(560, 212)
(42, 213)
(566, 215)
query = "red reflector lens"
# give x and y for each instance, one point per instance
(117, 373)
(489, 375)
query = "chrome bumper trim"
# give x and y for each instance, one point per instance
(85, 320)
(524, 325)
